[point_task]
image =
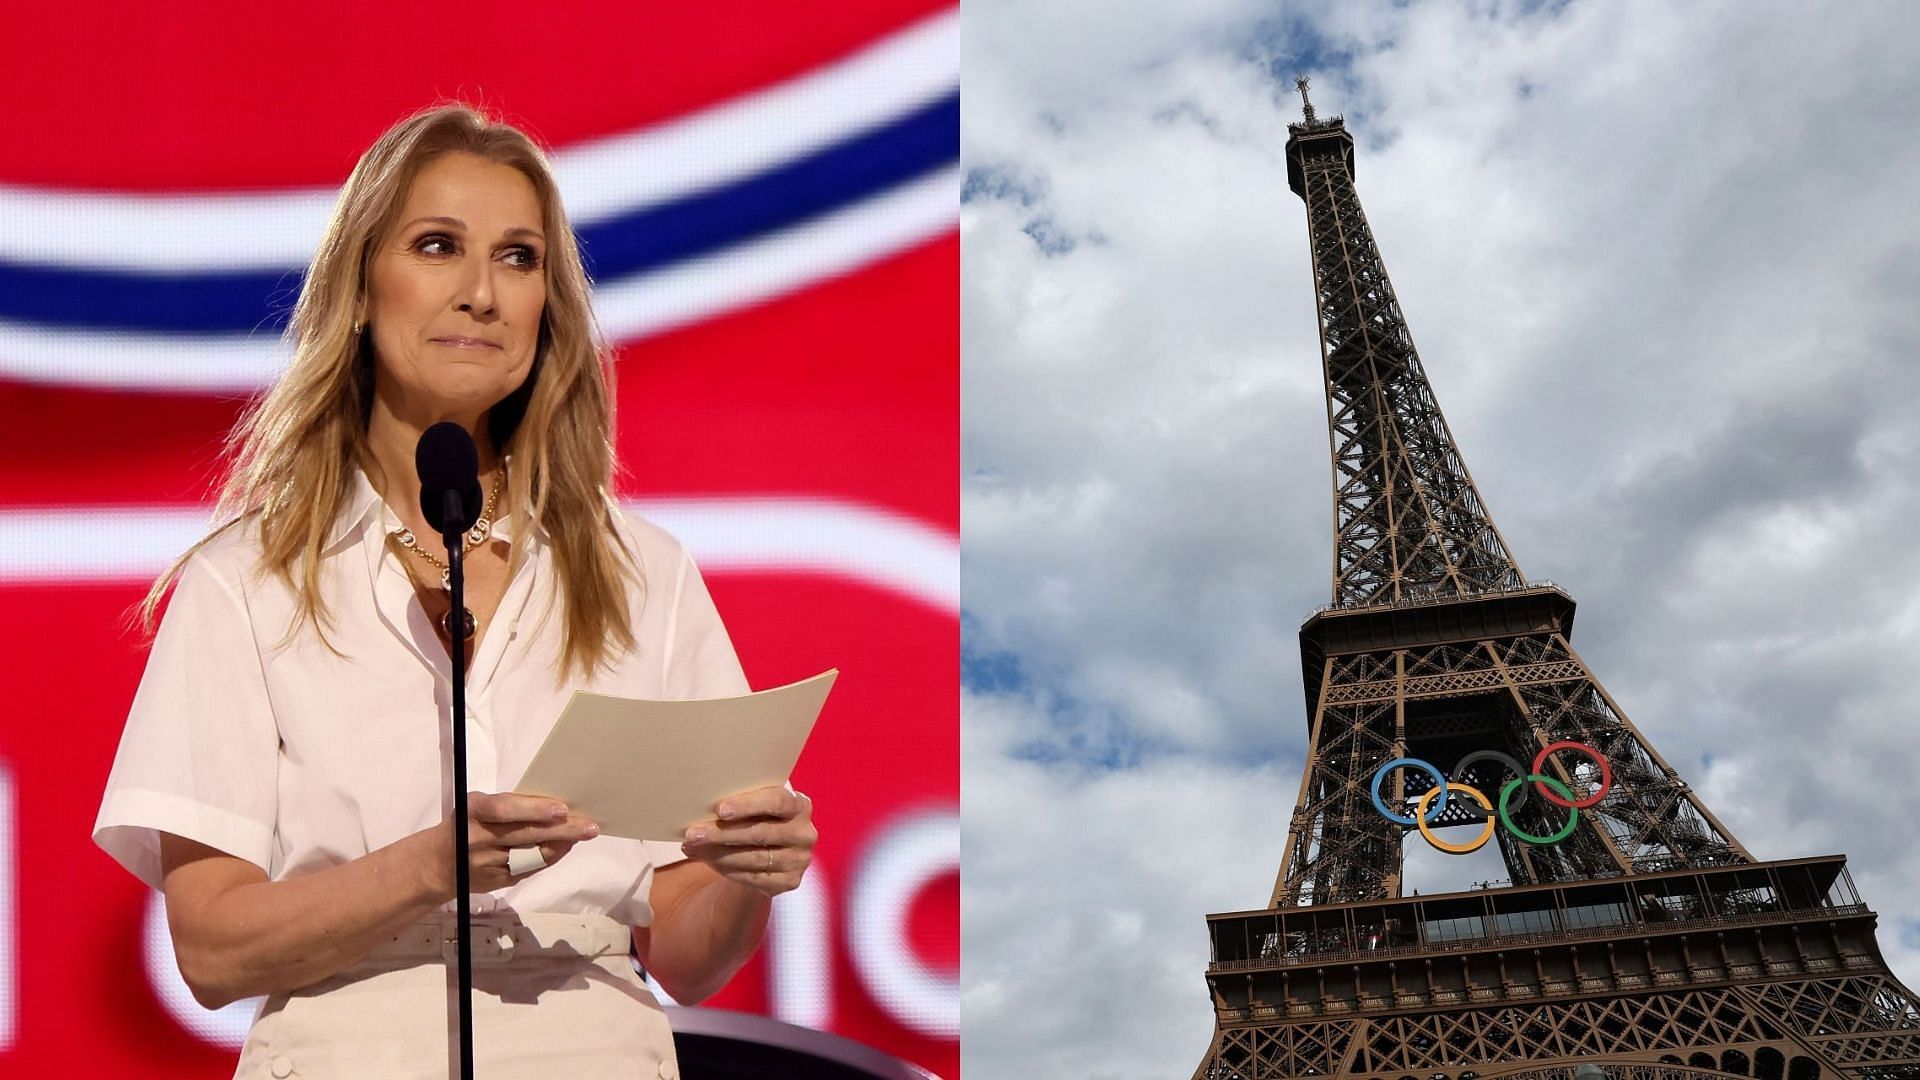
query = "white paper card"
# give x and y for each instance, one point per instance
(646, 770)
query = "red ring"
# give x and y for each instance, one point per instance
(1606, 774)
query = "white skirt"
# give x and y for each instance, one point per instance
(553, 996)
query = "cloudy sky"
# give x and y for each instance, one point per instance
(1661, 263)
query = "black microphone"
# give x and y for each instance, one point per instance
(449, 468)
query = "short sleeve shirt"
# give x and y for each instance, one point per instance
(296, 754)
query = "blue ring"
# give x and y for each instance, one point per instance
(1439, 805)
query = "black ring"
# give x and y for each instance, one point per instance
(1459, 776)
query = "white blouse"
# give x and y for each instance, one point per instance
(296, 757)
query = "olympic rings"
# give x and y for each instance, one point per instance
(1606, 775)
(1439, 784)
(1507, 790)
(1435, 801)
(1479, 796)
(1462, 771)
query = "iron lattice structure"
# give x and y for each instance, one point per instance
(1649, 939)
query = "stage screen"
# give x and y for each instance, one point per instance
(767, 200)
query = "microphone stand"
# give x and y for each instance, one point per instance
(463, 904)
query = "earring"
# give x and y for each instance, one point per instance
(356, 328)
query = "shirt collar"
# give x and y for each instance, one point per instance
(363, 507)
(362, 502)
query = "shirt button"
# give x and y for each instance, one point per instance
(669, 1071)
(281, 1067)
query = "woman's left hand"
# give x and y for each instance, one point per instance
(762, 839)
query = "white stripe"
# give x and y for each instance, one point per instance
(881, 548)
(761, 269)
(876, 547)
(278, 231)
(799, 949)
(677, 294)
(738, 139)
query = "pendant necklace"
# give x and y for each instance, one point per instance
(471, 539)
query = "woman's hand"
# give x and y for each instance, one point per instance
(762, 839)
(496, 824)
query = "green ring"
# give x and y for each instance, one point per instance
(1573, 814)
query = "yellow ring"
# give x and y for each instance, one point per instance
(1420, 819)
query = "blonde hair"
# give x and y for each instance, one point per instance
(292, 456)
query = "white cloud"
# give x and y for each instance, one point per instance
(1088, 884)
(1660, 261)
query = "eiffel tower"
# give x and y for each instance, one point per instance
(1647, 943)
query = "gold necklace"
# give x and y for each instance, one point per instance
(472, 538)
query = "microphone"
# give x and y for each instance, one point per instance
(449, 468)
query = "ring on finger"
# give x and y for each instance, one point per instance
(525, 860)
(766, 857)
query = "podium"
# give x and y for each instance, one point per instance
(717, 1044)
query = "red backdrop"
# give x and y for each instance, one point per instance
(787, 325)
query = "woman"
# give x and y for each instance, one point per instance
(283, 773)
